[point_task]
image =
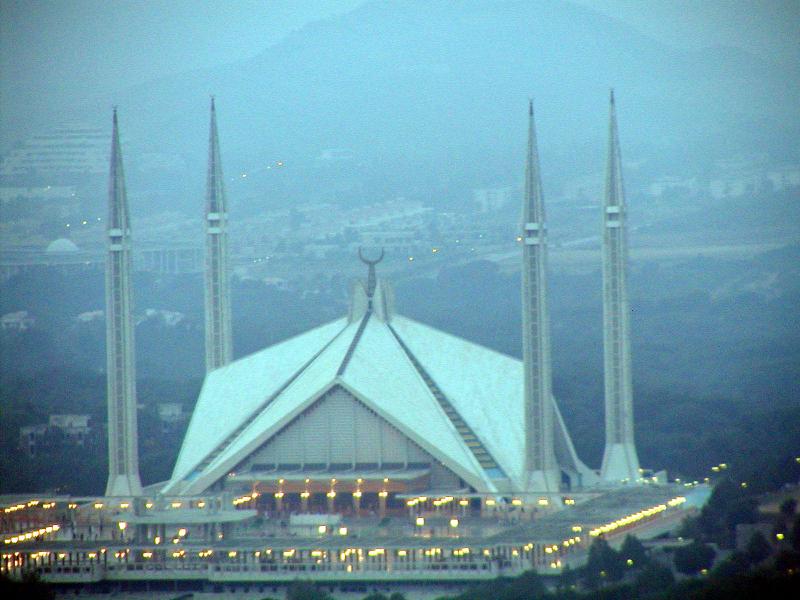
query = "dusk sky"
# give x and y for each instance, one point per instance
(60, 52)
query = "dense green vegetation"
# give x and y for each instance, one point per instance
(64, 468)
(630, 574)
(633, 572)
(715, 360)
(29, 588)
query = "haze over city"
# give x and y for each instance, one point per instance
(399, 299)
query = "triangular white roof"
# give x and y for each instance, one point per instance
(403, 370)
(233, 394)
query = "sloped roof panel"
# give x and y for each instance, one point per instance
(298, 395)
(381, 373)
(232, 393)
(483, 385)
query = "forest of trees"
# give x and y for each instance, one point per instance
(715, 363)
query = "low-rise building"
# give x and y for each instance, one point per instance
(16, 321)
(72, 429)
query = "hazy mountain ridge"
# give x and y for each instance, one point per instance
(430, 99)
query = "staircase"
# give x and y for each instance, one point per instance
(477, 448)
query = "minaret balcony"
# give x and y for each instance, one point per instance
(532, 234)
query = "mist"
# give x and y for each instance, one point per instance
(402, 126)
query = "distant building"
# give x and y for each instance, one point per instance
(75, 427)
(67, 257)
(16, 321)
(491, 199)
(73, 149)
(89, 316)
(668, 184)
(174, 259)
(169, 318)
(787, 176)
(398, 242)
(335, 155)
(171, 416)
(61, 246)
(30, 438)
(62, 254)
(20, 202)
(74, 430)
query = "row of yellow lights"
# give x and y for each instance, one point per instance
(358, 553)
(636, 517)
(306, 494)
(420, 521)
(246, 498)
(565, 544)
(29, 535)
(29, 504)
(519, 502)
(438, 502)
(323, 529)
(489, 502)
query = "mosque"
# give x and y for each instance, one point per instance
(374, 408)
(372, 446)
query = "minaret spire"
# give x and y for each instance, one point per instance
(542, 471)
(123, 463)
(620, 461)
(219, 344)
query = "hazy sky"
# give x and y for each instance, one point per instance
(61, 50)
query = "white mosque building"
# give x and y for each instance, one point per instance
(375, 408)
(370, 448)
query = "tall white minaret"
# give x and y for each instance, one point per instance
(620, 462)
(540, 463)
(219, 345)
(123, 454)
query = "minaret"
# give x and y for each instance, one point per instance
(540, 464)
(123, 456)
(620, 462)
(219, 345)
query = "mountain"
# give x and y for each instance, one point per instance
(426, 99)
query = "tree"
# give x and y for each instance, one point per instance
(30, 587)
(567, 579)
(728, 505)
(305, 590)
(758, 548)
(693, 558)
(603, 564)
(788, 508)
(735, 564)
(653, 578)
(633, 552)
(527, 586)
(787, 560)
(794, 534)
